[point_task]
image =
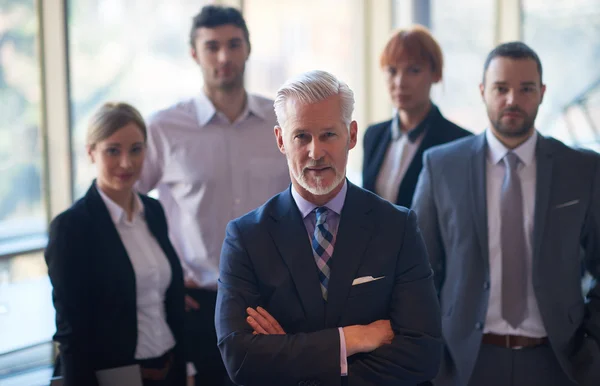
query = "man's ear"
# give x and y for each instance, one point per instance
(279, 137)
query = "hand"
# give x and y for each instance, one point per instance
(190, 303)
(368, 338)
(190, 283)
(262, 322)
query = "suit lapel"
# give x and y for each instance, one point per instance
(379, 151)
(430, 139)
(477, 182)
(291, 239)
(354, 233)
(543, 187)
(114, 254)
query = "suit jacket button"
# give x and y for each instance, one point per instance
(479, 326)
(486, 285)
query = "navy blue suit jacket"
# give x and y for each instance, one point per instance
(267, 261)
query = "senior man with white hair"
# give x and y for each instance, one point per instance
(326, 283)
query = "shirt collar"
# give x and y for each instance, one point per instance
(415, 133)
(497, 150)
(117, 214)
(335, 204)
(205, 110)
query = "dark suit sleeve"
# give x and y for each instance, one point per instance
(70, 294)
(587, 359)
(425, 207)
(415, 353)
(265, 359)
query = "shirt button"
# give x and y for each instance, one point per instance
(486, 285)
(237, 201)
(479, 326)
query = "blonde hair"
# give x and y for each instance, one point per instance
(111, 117)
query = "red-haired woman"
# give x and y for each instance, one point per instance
(412, 61)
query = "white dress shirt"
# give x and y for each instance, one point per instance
(208, 171)
(398, 157)
(152, 278)
(533, 325)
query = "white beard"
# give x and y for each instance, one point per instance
(319, 189)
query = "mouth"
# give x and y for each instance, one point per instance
(513, 114)
(317, 169)
(125, 177)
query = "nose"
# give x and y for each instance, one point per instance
(125, 161)
(398, 79)
(223, 55)
(316, 150)
(510, 97)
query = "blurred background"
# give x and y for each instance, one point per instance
(61, 59)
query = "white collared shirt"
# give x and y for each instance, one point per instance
(152, 278)
(208, 171)
(533, 325)
(398, 158)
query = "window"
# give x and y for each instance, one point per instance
(465, 32)
(565, 36)
(131, 51)
(289, 37)
(22, 210)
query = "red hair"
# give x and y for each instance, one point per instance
(415, 43)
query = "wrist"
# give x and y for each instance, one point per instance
(352, 338)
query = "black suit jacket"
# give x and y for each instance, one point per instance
(94, 290)
(267, 260)
(377, 139)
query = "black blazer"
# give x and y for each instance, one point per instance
(377, 139)
(94, 290)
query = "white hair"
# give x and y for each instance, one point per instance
(312, 87)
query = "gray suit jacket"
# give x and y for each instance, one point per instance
(450, 202)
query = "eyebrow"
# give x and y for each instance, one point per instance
(527, 83)
(214, 41)
(116, 144)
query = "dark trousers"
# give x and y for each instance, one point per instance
(536, 366)
(201, 340)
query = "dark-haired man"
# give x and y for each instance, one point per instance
(212, 159)
(508, 218)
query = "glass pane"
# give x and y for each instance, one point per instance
(132, 51)
(465, 32)
(26, 310)
(565, 36)
(21, 199)
(289, 37)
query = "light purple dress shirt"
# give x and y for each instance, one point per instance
(307, 210)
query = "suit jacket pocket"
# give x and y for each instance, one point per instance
(367, 288)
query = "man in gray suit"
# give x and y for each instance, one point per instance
(509, 219)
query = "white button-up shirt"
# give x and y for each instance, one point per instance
(398, 157)
(208, 171)
(533, 325)
(152, 278)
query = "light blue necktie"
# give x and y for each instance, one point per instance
(322, 245)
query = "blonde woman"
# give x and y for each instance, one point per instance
(117, 282)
